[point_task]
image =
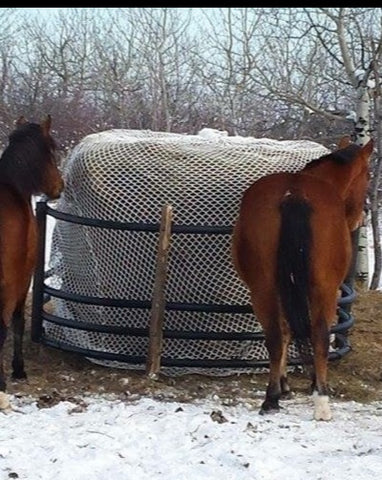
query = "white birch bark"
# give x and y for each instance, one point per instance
(362, 129)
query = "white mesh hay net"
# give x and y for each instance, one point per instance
(128, 175)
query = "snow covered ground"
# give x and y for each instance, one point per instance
(104, 438)
(151, 440)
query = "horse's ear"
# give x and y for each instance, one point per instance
(344, 142)
(368, 148)
(20, 121)
(46, 124)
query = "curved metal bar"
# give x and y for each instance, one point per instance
(344, 323)
(348, 295)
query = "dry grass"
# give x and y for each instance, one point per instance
(55, 375)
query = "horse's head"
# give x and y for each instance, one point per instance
(356, 156)
(347, 169)
(42, 158)
(356, 192)
(54, 183)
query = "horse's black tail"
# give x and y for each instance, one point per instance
(293, 266)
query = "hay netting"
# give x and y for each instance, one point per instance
(128, 175)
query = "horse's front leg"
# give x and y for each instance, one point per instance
(18, 323)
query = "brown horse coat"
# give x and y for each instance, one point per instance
(292, 248)
(27, 167)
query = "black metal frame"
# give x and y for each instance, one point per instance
(42, 293)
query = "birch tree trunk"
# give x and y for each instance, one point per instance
(374, 197)
(362, 129)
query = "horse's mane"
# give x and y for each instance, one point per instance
(343, 156)
(21, 164)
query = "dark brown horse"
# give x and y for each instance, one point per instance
(28, 166)
(292, 248)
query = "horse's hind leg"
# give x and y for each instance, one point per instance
(3, 336)
(284, 384)
(4, 400)
(273, 342)
(320, 344)
(277, 343)
(320, 391)
(18, 323)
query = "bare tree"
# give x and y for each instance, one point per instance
(360, 55)
(56, 69)
(9, 29)
(227, 61)
(376, 180)
(167, 49)
(322, 61)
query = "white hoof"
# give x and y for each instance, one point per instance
(5, 406)
(321, 407)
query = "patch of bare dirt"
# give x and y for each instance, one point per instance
(54, 375)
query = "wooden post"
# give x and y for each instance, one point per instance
(158, 301)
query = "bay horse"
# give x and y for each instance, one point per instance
(28, 166)
(291, 247)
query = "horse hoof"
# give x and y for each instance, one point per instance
(269, 411)
(269, 408)
(19, 375)
(324, 415)
(321, 407)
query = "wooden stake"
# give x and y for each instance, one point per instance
(158, 301)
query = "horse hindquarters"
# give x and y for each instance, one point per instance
(314, 254)
(297, 289)
(254, 249)
(293, 264)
